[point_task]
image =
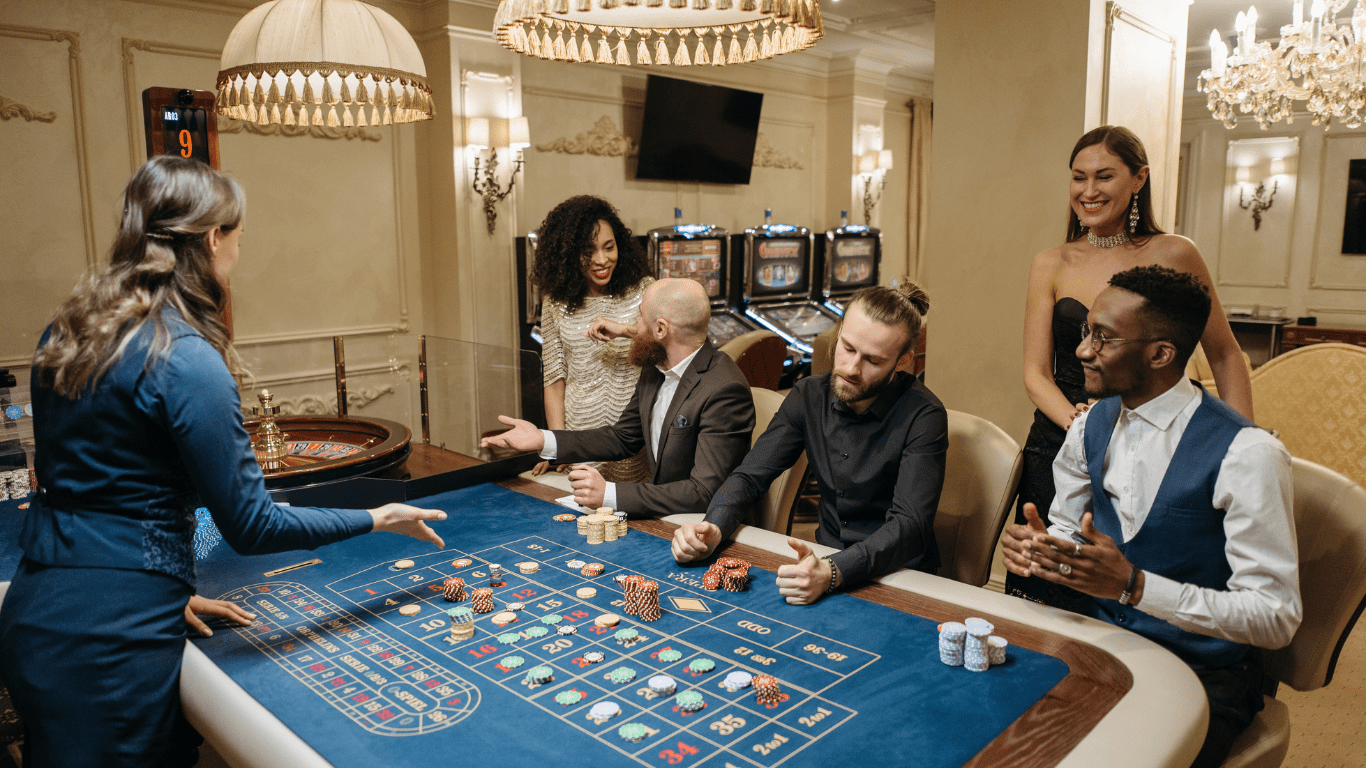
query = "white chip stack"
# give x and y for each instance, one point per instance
(975, 655)
(951, 637)
(14, 484)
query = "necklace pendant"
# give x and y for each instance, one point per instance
(1113, 241)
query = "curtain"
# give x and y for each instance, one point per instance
(918, 184)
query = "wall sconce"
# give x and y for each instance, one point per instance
(872, 164)
(1260, 201)
(487, 185)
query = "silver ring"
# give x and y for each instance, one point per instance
(1064, 569)
(1077, 553)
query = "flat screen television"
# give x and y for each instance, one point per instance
(697, 132)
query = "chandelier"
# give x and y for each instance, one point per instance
(677, 32)
(1316, 61)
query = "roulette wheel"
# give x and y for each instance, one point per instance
(298, 451)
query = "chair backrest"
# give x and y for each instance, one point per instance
(760, 355)
(1330, 528)
(775, 509)
(1315, 398)
(823, 350)
(1197, 367)
(980, 481)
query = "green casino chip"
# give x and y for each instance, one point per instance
(539, 675)
(622, 675)
(689, 701)
(632, 732)
(568, 698)
(537, 632)
(702, 665)
(512, 662)
(669, 654)
(509, 638)
(553, 618)
(624, 635)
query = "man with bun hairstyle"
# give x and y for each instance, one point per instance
(876, 440)
(1173, 513)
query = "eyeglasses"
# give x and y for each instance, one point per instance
(1099, 339)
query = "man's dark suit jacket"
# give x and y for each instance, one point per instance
(706, 433)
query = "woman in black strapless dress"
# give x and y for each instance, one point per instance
(1110, 229)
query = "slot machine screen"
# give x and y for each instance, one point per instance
(697, 259)
(853, 263)
(779, 267)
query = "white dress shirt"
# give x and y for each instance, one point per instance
(661, 407)
(1262, 604)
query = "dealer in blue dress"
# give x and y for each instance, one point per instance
(137, 423)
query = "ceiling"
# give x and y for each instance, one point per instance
(897, 33)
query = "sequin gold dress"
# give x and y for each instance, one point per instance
(599, 379)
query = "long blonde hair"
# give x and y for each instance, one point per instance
(160, 258)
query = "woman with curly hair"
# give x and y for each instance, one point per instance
(592, 274)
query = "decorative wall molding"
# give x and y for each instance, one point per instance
(603, 140)
(130, 46)
(228, 125)
(10, 109)
(767, 156)
(73, 42)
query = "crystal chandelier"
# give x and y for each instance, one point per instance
(1316, 61)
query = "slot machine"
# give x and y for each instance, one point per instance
(700, 252)
(779, 262)
(853, 254)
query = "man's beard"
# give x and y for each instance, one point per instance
(646, 351)
(848, 394)
(1107, 387)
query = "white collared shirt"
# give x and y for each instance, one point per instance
(665, 397)
(1262, 605)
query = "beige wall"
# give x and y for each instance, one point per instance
(1015, 85)
(375, 235)
(1294, 262)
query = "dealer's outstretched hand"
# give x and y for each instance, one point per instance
(409, 521)
(804, 582)
(695, 541)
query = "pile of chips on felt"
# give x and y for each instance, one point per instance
(462, 622)
(16, 483)
(482, 601)
(603, 525)
(971, 645)
(766, 690)
(453, 589)
(646, 603)
(729, 573)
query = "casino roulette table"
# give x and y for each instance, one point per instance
(334, 674)
(324, 449)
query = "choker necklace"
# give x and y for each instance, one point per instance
(1113, 241)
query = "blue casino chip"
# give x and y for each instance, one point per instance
(14, 412)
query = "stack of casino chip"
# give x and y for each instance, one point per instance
(996, 650)
(649, 601)
(14, 484)
(627, 637)
(540, 675)
(632, 732)
(495, 575)
(591, 570)
(661, 685)
(482, 602)
(736, 680)
(951, 641)
(976, 658)
(631, 585)
(621, 523)
(453, 589)
(609, 526)
(583, 525)
(595, 531)
(735, 579)
(766, 690)
(529, 567)
(689, 701)
(462, 622)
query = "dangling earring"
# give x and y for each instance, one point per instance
(1133, 216)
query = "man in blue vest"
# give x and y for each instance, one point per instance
(1173, 512)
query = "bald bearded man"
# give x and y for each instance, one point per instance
(692, 412)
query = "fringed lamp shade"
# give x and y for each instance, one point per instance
(678, 32)
(322, 62)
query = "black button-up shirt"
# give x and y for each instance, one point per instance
(880, 473)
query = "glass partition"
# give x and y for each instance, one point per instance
(470, 385)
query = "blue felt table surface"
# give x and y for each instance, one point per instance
(364, 685)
